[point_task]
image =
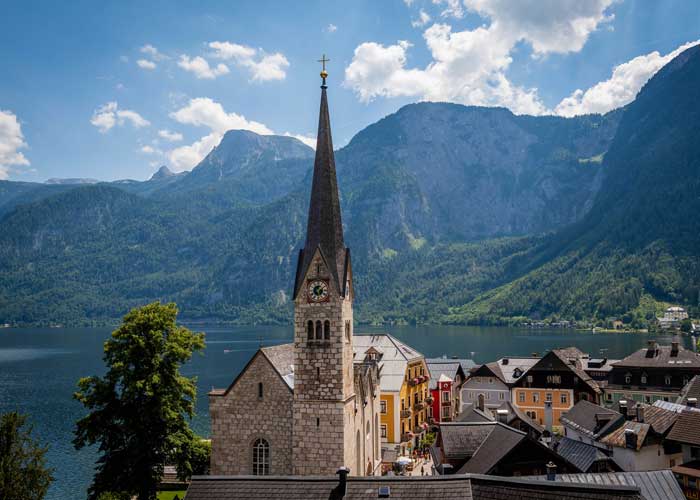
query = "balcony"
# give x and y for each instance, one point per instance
(406, 437)
(429, 400)
(419, 406)
(406, 413)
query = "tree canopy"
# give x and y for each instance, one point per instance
(23, 471)
(140, 410)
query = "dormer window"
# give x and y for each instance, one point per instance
(667, 379)
(644, 378)
(628, 378)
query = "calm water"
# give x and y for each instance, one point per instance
(39, 369)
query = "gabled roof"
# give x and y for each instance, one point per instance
(448, 367)
(686, 429)
(659, 356)
(581, 454)
(324, 229)
(473, 414)
(451, 487)
(660, 419)
(497, 444)
(591, 420)
(394, 359)
(280, 357)
(654, 485)
(572, 359)
(691, 390)
(461, 440)
(617, 437)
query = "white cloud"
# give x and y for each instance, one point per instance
(470, 66)
(170, 136)
(622, 86)
(331, 28)
(107, 116)
(205, 112)
(153, 52)
(146, 64)
(309, 140)
(262, 66)
(200, 67)
(423, 19)
(11, 141)
(150, 150)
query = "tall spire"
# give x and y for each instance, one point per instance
(324, 227)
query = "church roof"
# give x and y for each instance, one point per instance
(324, 229)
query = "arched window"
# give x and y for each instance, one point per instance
(319, 330)
(327, 330)
(347, 330)
(310, 330)
(261, 457)
(644, 378)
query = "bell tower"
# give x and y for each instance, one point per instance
(324, 398)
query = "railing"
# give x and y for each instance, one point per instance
(406, 436)
(419, 406)
(429, 400)
(417, 429)
(405, 413)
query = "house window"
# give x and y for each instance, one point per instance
(260, 390)
(535, 397)
(383, 427)
(347, 330)
(667, 379)
(608, 396)
(382, 406)
(628, 379)
(644, 378)
(403, 404)
(327, 330)
(685, 381)
(564, 399)
(445, 396)
(501, 396)
(531, 414)
(548, 397)
(261, 457)
(521, 396)
(445, 412)
(529, 379)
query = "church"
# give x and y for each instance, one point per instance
(306, 408)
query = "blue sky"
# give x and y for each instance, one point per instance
(112, 90)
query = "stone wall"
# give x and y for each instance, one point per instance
(239, 417)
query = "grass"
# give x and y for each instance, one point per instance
(170, 495)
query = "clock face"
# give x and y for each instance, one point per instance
(318, 291)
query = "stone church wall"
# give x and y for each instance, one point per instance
(240, 417)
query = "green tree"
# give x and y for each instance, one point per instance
(140, 410)
(23, 471)
(686, 325)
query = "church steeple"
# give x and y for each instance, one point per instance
(324, 227)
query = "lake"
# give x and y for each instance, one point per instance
(39, 368)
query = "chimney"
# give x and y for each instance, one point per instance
(692, 402)
(480, 402)
(502, 416)
(623, 408)
(674, 349)
(651, 349)
(630, 439)
(548, 417)
(342, 481)
(535, 355)
(640, 413)
(551, 471)
(601, 419)
(505, 361)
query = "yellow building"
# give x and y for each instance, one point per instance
(404, 393)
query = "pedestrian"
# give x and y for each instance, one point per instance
(422, 470)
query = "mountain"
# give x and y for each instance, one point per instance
(639, 243)
(453, 213)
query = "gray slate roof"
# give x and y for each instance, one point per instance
(461, 440)
(447, 366)
(691, 390)
(453, 487)
(281, 357)
(580, 454)
(585, 416)
(497, 445)
(654, 485)
(685, 359)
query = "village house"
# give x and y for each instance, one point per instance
(309, 407)
(672, 318)
(493, 448)
(553, 385)
(446, 379)
(493, 381)
(507, 414)
(651, 374)
(404, 393)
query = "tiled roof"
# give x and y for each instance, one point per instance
(512, 369)
(281, 357)
(617, 437)
(660, 419)
(474, 414)
(452, 487)
(687, 428)
(691, 390)
(500, 441)
(663, 359)
(461, 440)
(580, 454)
(574, 359)
(654, 485)
(447, 366)
(394, 358)
(585, 417)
